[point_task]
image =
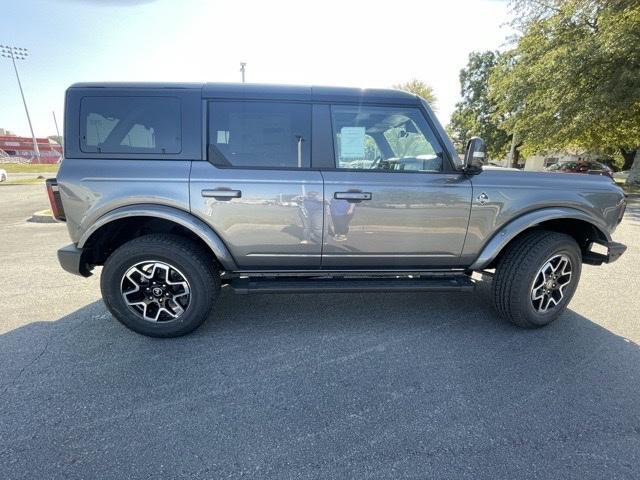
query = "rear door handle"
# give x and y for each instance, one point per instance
(352, 196)
(222, 193)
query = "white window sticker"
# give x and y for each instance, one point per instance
(222, 136)
(352, 142)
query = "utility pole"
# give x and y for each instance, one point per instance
(243, 66)
(17, 53)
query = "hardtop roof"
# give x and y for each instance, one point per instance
(270, 92)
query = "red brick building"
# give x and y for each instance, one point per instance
(20, 149)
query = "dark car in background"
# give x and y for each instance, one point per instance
(586, 166)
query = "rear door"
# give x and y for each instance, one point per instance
(393, 199)
(257, 190)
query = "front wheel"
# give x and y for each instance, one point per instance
(536, 278)
(160, 285)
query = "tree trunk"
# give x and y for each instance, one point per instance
(516, 158)
(634, 175)
(513, 152)
(628, 156)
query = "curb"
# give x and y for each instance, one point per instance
(43, 216)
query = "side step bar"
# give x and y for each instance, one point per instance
(450, 283)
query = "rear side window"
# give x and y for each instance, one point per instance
(130, 125)
(259, 134)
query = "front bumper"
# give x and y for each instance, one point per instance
(614, 251)
(70, 258)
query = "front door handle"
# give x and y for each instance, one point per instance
(352, 196)
(222, 193)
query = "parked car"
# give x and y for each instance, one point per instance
(587, 166)
(177, 189)
(3, 175)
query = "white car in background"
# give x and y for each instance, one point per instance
(3, 175)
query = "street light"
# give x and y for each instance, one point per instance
(17, 53)
(243, 66)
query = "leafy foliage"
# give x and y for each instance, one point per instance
(421, 89)
(573, 78)
(407, 144)
(476, 114)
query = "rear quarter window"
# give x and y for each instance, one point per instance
(251, 134)
(130, 125)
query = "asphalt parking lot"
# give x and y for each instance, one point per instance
(312, 386)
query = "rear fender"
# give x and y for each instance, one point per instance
(180, 217)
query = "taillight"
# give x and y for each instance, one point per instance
(54, 199)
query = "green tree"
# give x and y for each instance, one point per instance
(477, 114)
(572, 79)
(421, 89)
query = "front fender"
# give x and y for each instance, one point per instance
(508, 232)
(181, 217)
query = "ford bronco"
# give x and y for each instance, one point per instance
(177, 189)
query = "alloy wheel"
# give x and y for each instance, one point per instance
(550, 283)
(156, 291)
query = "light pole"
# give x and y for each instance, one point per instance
(55, 121)
(17, 53)
(243, 66)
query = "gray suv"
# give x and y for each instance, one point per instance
(178, 189)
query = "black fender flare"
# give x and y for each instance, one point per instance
(180, 217)
(509, 231)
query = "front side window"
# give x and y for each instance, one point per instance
(259, 134)
(130, 125)
(384, 138)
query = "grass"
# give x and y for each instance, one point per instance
(29, 168)
(23, 181)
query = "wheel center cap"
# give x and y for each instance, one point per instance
(157, 291)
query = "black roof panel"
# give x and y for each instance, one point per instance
(136, 85)
(306, 93)
(259, 91)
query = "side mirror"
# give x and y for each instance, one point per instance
(475, 155)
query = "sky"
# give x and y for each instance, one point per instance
(368, 44)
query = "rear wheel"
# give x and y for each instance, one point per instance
(160, 285)
(536, 278)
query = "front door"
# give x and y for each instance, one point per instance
(257, 191)
(393, 201)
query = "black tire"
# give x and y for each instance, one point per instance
(189, 260)
(518, 268)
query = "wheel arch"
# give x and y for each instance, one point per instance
(123, 224)
(570, 221)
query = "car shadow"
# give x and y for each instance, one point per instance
(306, 386)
